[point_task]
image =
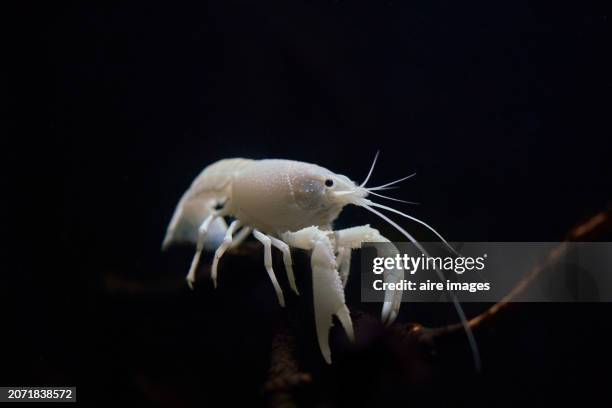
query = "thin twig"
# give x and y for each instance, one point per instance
(594, 227)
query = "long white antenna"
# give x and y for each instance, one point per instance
(464, 322)
(391, 183)
(391, 198)
(415, 220)
(371, 169)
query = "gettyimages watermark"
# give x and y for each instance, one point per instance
(487, 271)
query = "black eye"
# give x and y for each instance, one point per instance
(329, 183)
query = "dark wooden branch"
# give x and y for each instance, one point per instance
(284, 375)
(593, 228)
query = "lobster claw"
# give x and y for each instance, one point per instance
(328, 294)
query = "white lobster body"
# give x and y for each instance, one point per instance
(285, 204)
(273, 196)
(276, 196)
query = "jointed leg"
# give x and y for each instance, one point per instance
(227, 241)
(202, 230)
(241, 236)
(267, 243)
(284, 248)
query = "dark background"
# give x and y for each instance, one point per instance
(502, 109)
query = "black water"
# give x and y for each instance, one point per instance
(502, 109)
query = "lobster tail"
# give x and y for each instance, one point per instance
(211, 189)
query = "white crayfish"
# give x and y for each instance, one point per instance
(287, 204)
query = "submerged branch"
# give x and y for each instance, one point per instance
(284, 375)
(593, 228)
